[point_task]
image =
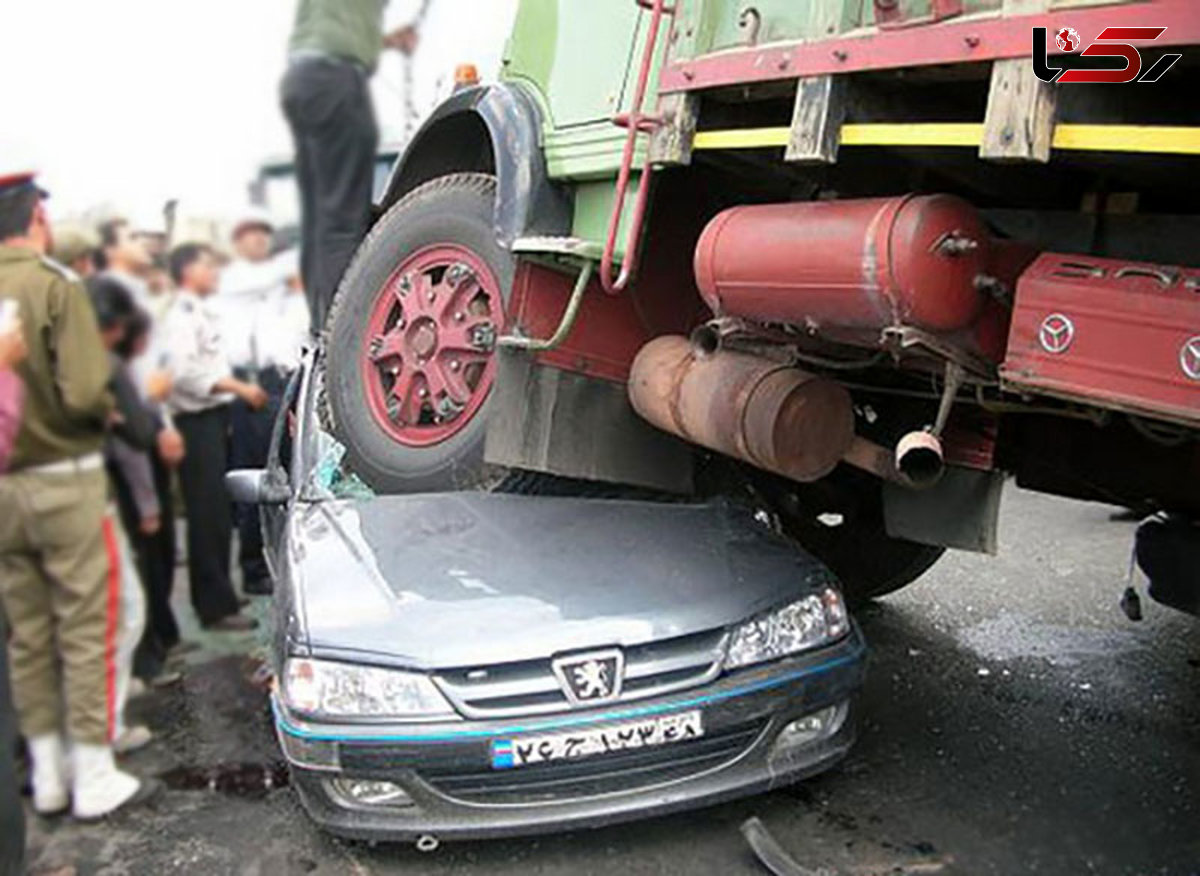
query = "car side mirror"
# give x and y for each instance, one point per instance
(256, 486)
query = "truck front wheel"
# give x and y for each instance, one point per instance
(412, 337)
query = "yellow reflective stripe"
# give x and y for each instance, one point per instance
(741, 138)
(912, 135)
(1128, 138)
(1093, 138)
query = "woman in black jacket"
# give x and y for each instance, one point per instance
(131, 441)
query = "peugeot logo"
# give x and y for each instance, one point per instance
(1057, 333)
(591, 678)
(1189, 357)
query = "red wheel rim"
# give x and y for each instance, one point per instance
(428, 359)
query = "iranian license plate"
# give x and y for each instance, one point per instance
(567, 745)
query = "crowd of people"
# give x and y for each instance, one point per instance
(132, 371)
(133, 368)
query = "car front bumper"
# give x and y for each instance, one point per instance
(454, 792)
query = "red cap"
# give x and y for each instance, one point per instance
(12, 183)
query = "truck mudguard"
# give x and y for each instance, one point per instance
(492, 129)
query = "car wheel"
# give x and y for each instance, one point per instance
(412, 335)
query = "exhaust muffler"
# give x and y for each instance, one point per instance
(771, 415)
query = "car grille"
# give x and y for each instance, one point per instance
(604, 774)
(530, 687)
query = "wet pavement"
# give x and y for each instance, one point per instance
(1014, 722)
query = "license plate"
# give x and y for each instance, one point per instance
(523, 751)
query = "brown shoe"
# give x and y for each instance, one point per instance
(233, 623)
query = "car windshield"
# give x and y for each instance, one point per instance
(324, 465)
(331, 476)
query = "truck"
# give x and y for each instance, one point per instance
(859, 262)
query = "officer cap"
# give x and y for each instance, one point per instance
(18, 182)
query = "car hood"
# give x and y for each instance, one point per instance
(463, 579)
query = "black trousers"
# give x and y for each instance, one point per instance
(150, 656)
(328, 106)
(12, 818)
(249, 448)
(209, 512)
(161, 556)
(1168, 550)
(155, 557)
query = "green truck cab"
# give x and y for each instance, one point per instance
(857, 261)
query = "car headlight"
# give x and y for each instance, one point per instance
(335, 690)
(799, 626)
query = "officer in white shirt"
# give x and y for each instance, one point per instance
(265, 319)
(204, 386)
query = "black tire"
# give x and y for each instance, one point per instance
(867, 561)
(456, 209)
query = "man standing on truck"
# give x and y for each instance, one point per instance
(333, 53)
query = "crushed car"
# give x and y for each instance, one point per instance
(471, 664)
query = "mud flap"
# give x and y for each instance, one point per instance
(961, 511)
(566, 424)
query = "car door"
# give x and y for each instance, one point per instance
(281, 465)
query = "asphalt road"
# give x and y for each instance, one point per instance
(1015, 722)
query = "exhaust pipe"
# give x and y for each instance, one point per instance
(920, 460)
(773, 416)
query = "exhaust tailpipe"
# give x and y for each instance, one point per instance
(773, 416)
(920, 460)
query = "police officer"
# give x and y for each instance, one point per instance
(199, 401)
(265, 323)
(59, 564)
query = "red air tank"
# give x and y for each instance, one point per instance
(855, 264)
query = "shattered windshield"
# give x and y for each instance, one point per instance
(331, 477)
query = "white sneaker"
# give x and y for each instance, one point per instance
(49, 774)
(133, 738)
(100, 788)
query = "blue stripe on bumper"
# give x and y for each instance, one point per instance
(459, 735)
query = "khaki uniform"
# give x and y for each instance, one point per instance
(59, 558)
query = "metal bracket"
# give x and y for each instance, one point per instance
(900, 339)
(516, 342)
(954, 380)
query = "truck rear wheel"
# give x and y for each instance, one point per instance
(412, 338)
(840, 522)
(867, 561)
